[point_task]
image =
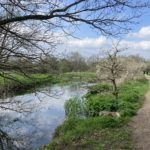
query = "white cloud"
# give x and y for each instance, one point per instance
(102, 42)
(89, 46)
(144, 32)
(88, 42)
(134, 45)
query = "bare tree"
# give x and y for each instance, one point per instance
(111, 68)
(115, 69)
(103, 15)
(31, 29)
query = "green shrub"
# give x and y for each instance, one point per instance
(99, 88)
(97, 103)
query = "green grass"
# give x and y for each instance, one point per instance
(48, 78)
(20, 84)
(19, 78)
(78, 76)
(74, 108)
(92, 133)
(129, 99)
(16, 82)
(97, 103)
(105, 132)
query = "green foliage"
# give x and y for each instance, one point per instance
(127, 108)
(97, 132)
(74, 108)
(130, 97)
(16, 79)
(17, 84)
(112, 122)
(68, 125)
(95, 104)
(103, 132)
(25, 83)
(128, 102)
(99, 88)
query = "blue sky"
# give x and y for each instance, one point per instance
(144, 20)
(91, 43)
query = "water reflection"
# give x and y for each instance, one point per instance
(38, 116)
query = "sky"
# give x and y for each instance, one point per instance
(137, 41)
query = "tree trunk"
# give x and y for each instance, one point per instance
(114, 90)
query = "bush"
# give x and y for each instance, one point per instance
(97, 103)
(99, 88)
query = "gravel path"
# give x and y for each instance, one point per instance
(141, 125)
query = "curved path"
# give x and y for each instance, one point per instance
(141, 125)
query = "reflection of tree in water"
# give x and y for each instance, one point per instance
(14, 114)
(19, 140)
(6, 142)
(23, 119)
(9, 122)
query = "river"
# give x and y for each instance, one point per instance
(35, 116)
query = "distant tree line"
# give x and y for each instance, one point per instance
(72, 62)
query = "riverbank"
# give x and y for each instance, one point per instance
(101, 132)
(20, 83)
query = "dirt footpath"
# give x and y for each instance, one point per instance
(141, 125)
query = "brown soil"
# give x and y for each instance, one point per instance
(141, 125)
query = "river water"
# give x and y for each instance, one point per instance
(35, 116)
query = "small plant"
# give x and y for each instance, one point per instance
(74, 108)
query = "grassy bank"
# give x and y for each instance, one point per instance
(78, 76)
(17, 83)
(100, 132)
